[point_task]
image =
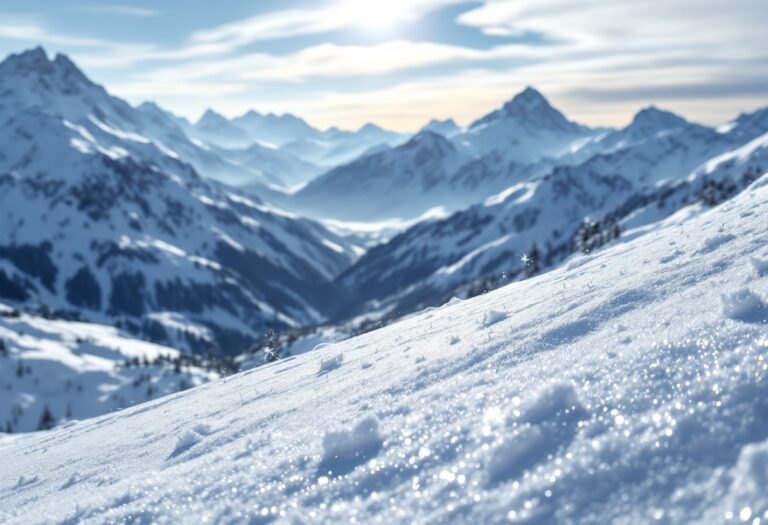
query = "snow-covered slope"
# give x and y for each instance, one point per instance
(643, 177)
(112, 225)
(54, 371)
(628, 386)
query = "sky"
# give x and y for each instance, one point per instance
(400, 63)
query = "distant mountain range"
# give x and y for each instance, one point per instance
(129, 216)
(635, 177)
(133, 242)
(288, 139)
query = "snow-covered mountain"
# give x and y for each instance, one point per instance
(447, 128)
(335, 147)
(274, 130)
(30, 80)
(747, 126)
(54, 371)
(527, 129)
(625, 387)
(240, 152)
(526, 138)
(263, 167)
(69, 93)
(546, 218)
(278, 153)
(111, 226)
(252, 128)
(404, 182)
(291, 136)
(215, 128)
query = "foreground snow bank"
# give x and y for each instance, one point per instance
(629, 388)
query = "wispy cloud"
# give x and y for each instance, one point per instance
(342, 14)
(120, 10)
(634, 25)
(336, 61)
(30, 33)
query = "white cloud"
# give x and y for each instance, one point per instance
(336, 61)
(120, 10)
(612, 26)
(28, 32)
(342, 14)
(150, 89)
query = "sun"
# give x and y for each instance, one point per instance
(376, 15)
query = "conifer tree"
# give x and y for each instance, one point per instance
(46, 419)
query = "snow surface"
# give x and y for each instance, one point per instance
(626, 387)
(77, 370)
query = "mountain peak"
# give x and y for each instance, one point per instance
(36, 61)
(34, 79)
(370, 128)
(429, 140)
(149, 105)
(530, 110)
(528, 103)
(653, 119)
(32, 60)
(448, 128)
(34, 55)
(530, 95)
(437, 122)
(211, 118)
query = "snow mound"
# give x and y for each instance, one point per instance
(344, 450)
(190, 438)
(187, 440)
(751, 479)
(328, 364)
(536, 430)
(760, 266)
(557, 401)
(491, 317)
(714, 243)
(745, 305)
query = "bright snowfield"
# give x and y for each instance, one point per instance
(71, 371)
(629, 386)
